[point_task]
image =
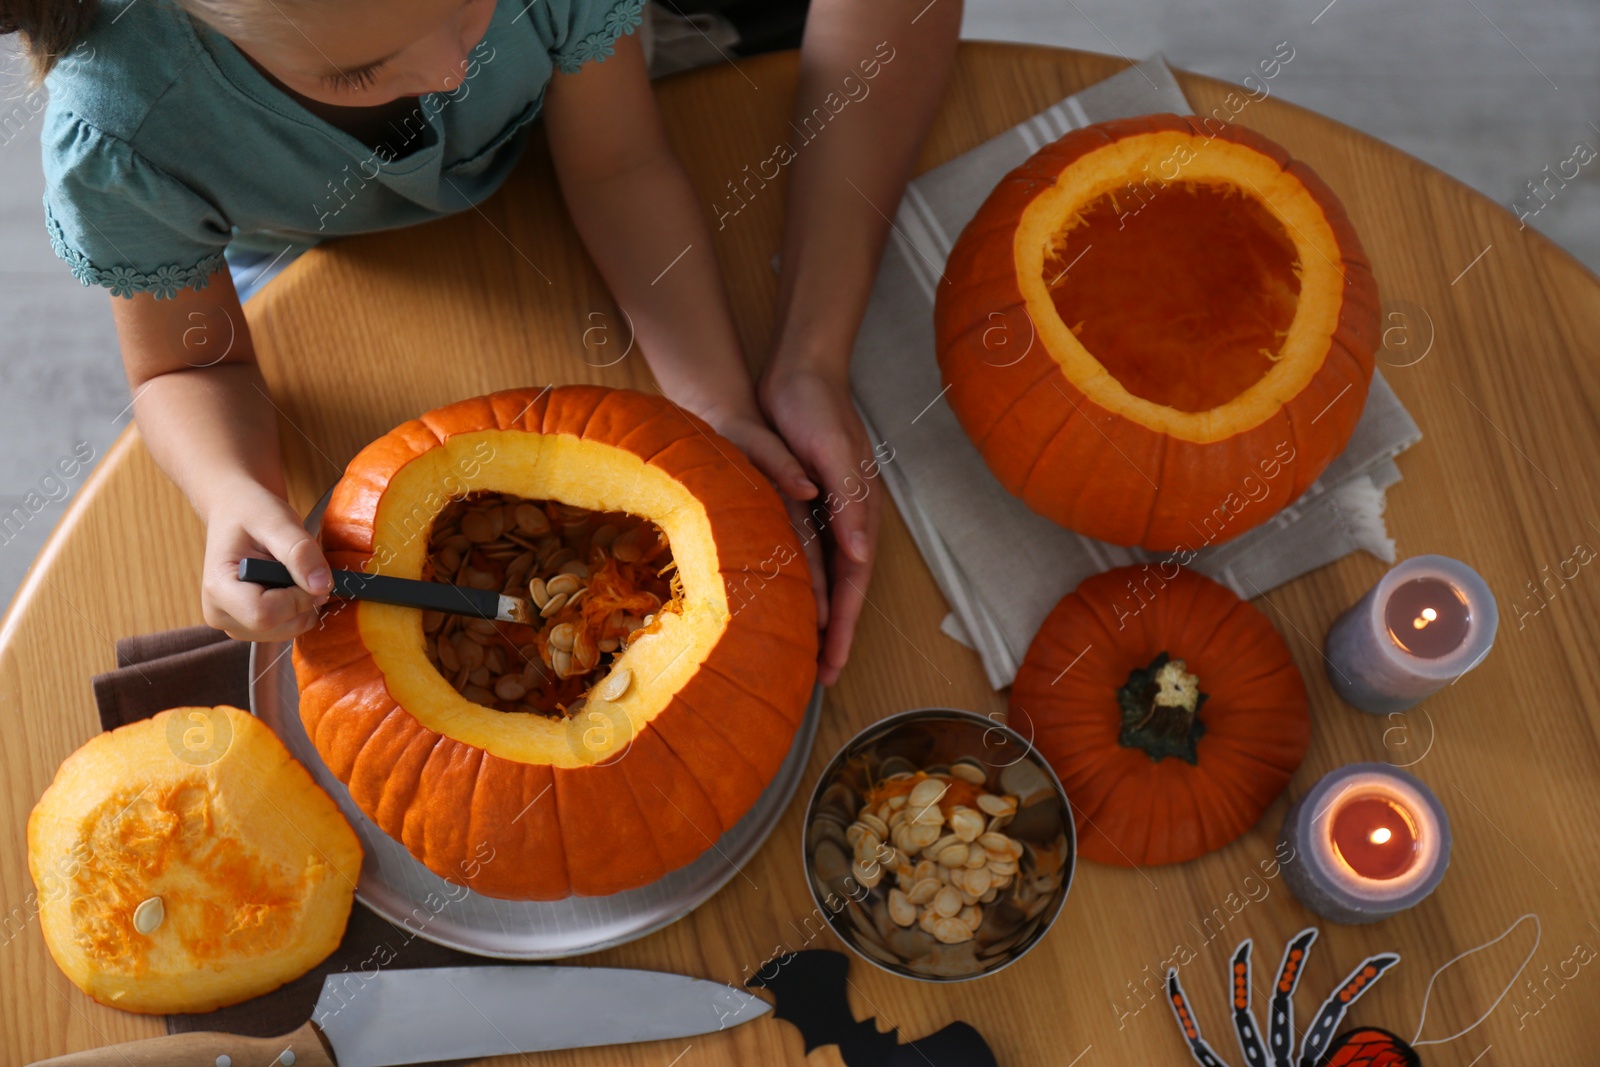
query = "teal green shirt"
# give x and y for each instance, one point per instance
(163, 146)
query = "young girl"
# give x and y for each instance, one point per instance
(181, 134)
(187, 136)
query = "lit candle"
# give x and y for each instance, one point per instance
(1368, 840)
(1425, 624)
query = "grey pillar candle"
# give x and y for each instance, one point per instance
(1324, 881)
(1372, 670)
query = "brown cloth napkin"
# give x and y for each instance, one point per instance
(200, 667)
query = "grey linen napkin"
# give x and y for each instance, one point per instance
(1000, 566)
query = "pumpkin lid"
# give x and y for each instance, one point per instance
(186, 862)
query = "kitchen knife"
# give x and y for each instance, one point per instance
(386, 1017)
(407, 592)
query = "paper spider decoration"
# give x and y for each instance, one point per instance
(1364, 1047)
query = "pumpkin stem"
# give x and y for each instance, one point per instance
(1161, 710)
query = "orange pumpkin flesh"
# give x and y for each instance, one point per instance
(203, 809)
(1135, 807)
(540, 806)
(1187, 301)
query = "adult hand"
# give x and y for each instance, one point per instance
(818, 422)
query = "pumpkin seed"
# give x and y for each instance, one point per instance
(996, 843)
(553, 605)
(562, 635)
(876, 824)
(947, 901)
(615, 684)
(538, 592)
(510, 689)
(993, 805)
(561, 662)
(901, 911)
(532, 520)
(966, 823)
(867, 876)
(969, 772)
(919, 836)
(953, 855)
(584, 652)
(564, 582)
(149, 915)
(951, 931)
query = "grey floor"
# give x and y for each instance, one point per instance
(1490, 91)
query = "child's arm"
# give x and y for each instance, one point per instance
(646, 231)
(204, 414)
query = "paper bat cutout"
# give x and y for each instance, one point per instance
(812, 991)
(1367, 1047)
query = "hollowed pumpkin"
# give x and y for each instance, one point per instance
(545, 800)
(1170, 709)
(186, 862)
(1150, 318)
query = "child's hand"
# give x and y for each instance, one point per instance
(251, 520)
(821, 428)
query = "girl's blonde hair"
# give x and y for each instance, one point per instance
(49, 28)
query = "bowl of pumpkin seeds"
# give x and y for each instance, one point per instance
(939, 845)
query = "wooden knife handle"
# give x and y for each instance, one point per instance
(303, 1048)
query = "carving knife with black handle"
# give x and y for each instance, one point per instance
(425, 1014)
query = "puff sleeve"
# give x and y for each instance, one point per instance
(593, 29)
(121, 222)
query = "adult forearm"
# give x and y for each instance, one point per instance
(646, 231)
(871, 78)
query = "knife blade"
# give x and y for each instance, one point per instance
(406, 592)
(418, 1015)
(401, 1016)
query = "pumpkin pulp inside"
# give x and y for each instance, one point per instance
(1198, 265)
(224, 901)
(597, 578)
(1184, 292)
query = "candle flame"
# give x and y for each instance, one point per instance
(1380, 836)
(1428, 615)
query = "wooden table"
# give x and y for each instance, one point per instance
(366, 333)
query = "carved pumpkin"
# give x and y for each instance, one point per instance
(1152, 318)
(1170, 709)
(186, 862)
(615, 738)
